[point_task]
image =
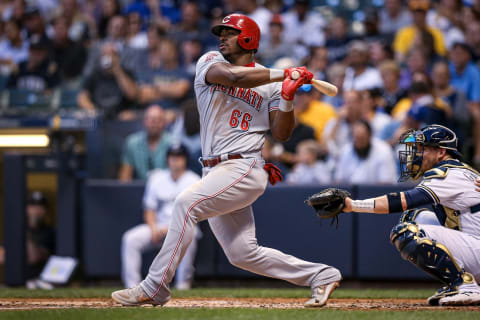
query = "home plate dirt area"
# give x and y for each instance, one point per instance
(265, 303)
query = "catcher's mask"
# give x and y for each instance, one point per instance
(412, 157)
(431, 136)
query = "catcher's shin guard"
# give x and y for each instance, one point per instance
(432, 257)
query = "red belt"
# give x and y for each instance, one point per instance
(212, 162)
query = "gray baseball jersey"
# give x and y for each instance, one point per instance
(232, 120)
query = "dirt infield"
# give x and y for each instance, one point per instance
(267, 303)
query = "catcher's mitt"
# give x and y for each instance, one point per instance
(328, 203)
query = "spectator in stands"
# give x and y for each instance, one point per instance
(13, 49)
(377, 119)
(186, 129)
(191, 50)
(393, 17)
(116, 34)
(304, 28)
(466, 78)
(109, 9)
(418, 34)
(337, 131)
(359, 76)
(146, 150)
(371, 24)
(40, 236)
(258, 13)
(35, 25)
(78, 23)
(38, 73)
(286, 150)
(336, 76)
(162, 13)
(161, 189)
(425, 108)
(274, 6)
(273, 46)
(192, 25)
(338, 39)
(417, 61)
(142, 61)
(391, 92)
(445, 16)
(311, 111)
(70, 56)
(169, 84)
(312, 165)
(380, 51)
(465, 75)
(136, 38)
(110, 89)
(317, 62)
(365, 160)
(457, 100)
(13, 10)
(472, 38)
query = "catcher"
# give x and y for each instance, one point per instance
(444, 243)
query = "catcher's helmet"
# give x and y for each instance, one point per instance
(430, 136)
(249, 36)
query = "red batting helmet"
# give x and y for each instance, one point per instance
(249, 36)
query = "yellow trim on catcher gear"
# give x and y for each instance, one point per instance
(430, 192)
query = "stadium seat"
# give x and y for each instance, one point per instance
(21, 98)
(68, 98)
(3, 82)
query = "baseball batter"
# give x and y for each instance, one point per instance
(444, 243)
(238, 101)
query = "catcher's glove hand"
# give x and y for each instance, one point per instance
(328, 203)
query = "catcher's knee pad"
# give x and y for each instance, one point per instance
(432, 257)
(420, 216)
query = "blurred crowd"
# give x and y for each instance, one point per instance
(397, 64)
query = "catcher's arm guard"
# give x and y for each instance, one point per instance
(328, 203)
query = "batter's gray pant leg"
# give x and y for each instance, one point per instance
(236, 234)
(230, 186)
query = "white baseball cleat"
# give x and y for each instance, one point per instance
(441, 293)
(133, 297)
(321, 294)
(465, 298)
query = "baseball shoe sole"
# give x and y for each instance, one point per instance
(133, 297)
(466, 298)
(321, 294)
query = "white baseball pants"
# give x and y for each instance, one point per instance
(464, 247)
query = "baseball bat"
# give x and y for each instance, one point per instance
(322, 86)
(325, 87)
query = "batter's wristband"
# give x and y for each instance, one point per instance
(277, 74)
(285, 105)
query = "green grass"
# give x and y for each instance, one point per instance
(231, 314)
(220, 292)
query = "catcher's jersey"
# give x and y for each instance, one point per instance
(456, 203)
(232, 119)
